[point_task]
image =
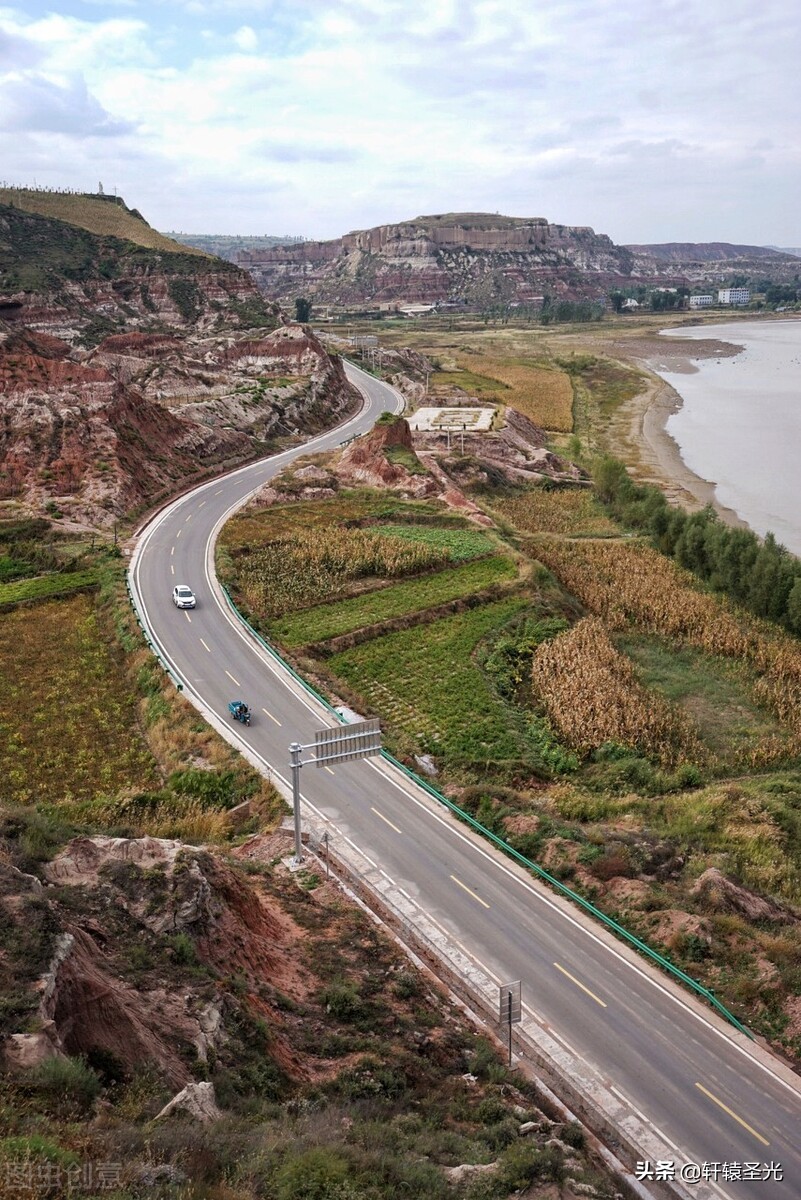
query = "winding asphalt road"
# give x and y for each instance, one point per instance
(709, 1094)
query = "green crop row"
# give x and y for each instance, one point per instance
(46, 587)
(461, 544)
(425, 683)
(330, 620)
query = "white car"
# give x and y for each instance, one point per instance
(183, 597)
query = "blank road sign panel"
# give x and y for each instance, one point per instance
(359, 740)
(510, 1003)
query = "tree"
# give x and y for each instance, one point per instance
(303, 310)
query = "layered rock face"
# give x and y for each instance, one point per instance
(58, 278)
(713, 263)
(472, 257)
(98, 434)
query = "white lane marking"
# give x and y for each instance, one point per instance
(386, 819)
(202, 502)
(207, 647)
(389, 877)
(189, 518)
(178, 533)
(186, 614)
(270, 715)
(172, 550)
(328, 769)
(172, 568)
(218, 492)
(236, 681)
(351, 842)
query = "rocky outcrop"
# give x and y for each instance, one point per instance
(197, 1100)
(59, 278)
(148, 893)
(365, 461)
(97, 434)
(472, 258)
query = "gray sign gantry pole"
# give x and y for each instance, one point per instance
(362, 739)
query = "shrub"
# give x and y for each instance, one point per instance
(342, 1001)
(66, 1082)
(525, 1164)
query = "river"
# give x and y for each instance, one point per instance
(739, 426)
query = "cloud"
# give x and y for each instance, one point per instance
(245, 38)
(317, 116)
(38, 105)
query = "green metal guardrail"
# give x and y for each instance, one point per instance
(165, 666)
(615, 926)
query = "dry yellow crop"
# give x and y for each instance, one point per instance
(591, 694)
(631, 585)
(571, 511)
(542, 395)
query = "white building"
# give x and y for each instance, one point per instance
(701, 301)
(738, 295)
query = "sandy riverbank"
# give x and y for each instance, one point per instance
(637, 432)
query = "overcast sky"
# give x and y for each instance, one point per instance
(650, 120)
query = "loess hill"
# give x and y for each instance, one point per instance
(104, 216)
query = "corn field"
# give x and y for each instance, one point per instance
(631, 585)
(591, 694)
(571, 511)
(545, 397)
(307, 568)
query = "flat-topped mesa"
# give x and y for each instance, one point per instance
(476, 258)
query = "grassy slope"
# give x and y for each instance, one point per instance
(37, 253)
(103, 216)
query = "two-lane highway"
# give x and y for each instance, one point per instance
(709, 1095)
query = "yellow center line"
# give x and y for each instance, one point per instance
(573, 979)
(207, 647)
(230, 676)
(186, 614)
(270, 715)
(386, 820)
(469, 891)
(739, 1120)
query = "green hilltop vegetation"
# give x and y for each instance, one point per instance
(38, 251)
(104, 216)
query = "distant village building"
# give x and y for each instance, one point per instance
(738, 295)
(416, 310)
(701, 301)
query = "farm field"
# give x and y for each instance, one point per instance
(70, 728)
(610, 717)
(331, 620)
(292, 556)
(424, 681)
(569, 511)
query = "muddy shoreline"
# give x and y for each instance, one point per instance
(637, 432)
